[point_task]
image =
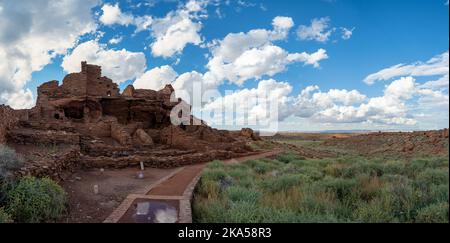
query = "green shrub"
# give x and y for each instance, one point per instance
(9, 161)
(317, 201)
(209, 210)
(309, 217)
(290, 169)
(369, 186)
(343, 188)
(335, 169)
(247, 212)
(394, 167)
(427, 193)
(376, 211)
(250, 163)
(311, 172)
(424, 163)
(244, 212)
(208, 188)
(260, 166)
(283, 182)
(238, 194)
(277, 215)
(435, 213)
(438, 193)
(214, 174)
(433, 176)
(287, 157)
(36, 200)
(216, 164)
(395, 179)
(363, 167)
(4, 217)
(404, 201)
(240, 173)
(246, 182)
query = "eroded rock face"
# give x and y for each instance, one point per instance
(112, 129)
(142, 138)
(406, 144)
(249, 133)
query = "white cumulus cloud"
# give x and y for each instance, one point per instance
(242, 56)
(336, 105)
(177, 29)
(112, 14)
(119, 65)
(115, 40)
(156, 78)
(318, 30)
(171, 33)
(32, 33)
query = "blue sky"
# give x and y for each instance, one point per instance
(380, 34)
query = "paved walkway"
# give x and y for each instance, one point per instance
(175, 190)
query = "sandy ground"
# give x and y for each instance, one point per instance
(113, 187)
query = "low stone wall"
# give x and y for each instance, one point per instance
(156, 161)
(38, 137)
(54, 166)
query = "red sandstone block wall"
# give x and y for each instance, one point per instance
(8, 119)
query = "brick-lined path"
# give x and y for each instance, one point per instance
(176, 189)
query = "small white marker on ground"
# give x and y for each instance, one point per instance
(95, 189)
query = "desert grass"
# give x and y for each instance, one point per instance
(345, 189)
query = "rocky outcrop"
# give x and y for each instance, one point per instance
(142, 138)
(249, 133)
(120, 135)
(396, 143)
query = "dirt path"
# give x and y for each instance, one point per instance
(177, 188)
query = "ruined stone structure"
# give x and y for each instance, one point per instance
(89, 120)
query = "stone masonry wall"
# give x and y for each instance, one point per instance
(8, 119)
